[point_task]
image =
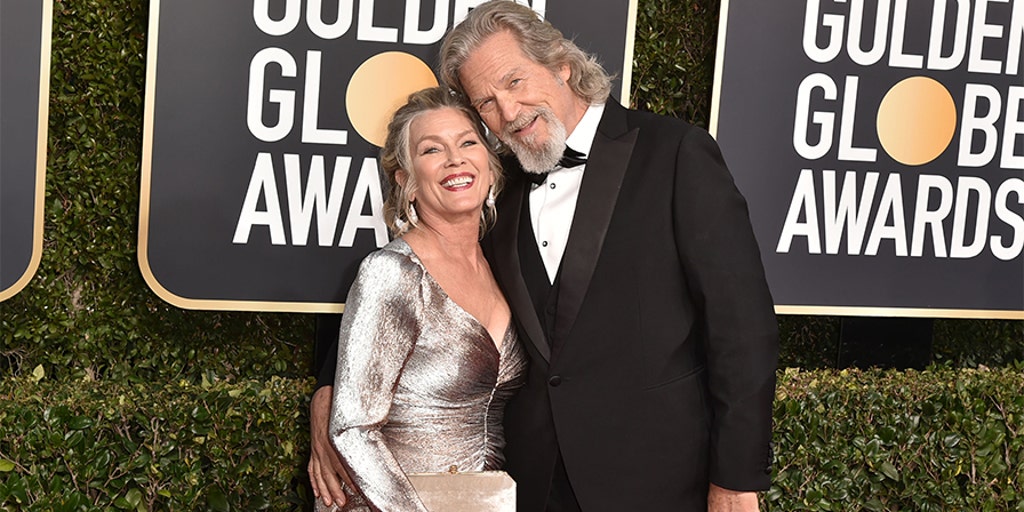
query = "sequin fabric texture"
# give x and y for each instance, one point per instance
(420, 384)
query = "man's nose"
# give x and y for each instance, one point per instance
(509, 108)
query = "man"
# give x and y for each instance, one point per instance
(635, 281)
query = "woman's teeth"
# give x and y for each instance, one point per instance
(458, 181)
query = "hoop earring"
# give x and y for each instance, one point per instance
(413, 218)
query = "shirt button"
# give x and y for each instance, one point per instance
(552, 185)
(555, 381)
(544, 243)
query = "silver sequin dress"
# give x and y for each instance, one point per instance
(420, 385)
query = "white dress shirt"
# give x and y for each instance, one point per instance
(553, 203)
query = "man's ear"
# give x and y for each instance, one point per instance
(564, 72)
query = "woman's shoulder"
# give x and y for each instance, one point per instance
(395, 257)
(390, 273)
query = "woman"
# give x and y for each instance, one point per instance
(427, 353)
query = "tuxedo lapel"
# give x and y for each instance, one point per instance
(607, 163)
(505, 236)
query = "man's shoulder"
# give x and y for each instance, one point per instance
(652, 126)
(661, 121)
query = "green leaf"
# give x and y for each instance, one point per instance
(216, 499)
(890, 471)
(6, 465)
(80, 423)
(874, 505)
(134, 498)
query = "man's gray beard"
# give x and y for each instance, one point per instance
(541, 159)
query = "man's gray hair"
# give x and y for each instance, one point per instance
(538, 39)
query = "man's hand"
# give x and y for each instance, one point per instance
(325, 468)
(725, 500)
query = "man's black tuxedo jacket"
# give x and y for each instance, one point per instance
(660, 373)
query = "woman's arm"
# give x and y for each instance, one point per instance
(378, 332)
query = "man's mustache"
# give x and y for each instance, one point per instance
(525, 118)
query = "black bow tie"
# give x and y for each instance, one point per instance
(570, 158)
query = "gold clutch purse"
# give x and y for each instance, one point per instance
(450, 491)
(493, 491)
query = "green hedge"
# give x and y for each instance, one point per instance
(938, 440)
(674, 58)
(89, 445)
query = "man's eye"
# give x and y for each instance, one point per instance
(514, 82)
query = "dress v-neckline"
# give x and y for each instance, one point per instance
(492, 342)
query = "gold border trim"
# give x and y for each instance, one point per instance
(716, 89)
(985, 314)
(41, 142)
(627, 59)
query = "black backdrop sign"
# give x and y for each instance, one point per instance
(880, 144)
(260, 187)
(25, 69)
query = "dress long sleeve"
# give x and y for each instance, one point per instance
(378, 332)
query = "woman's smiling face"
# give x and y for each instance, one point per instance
(450, 164)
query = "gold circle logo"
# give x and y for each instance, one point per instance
(916, 120)
(379, 86)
